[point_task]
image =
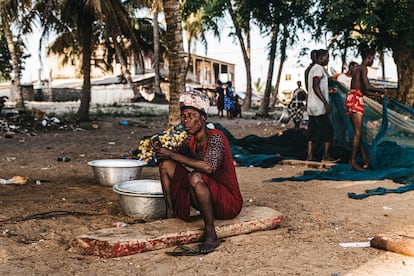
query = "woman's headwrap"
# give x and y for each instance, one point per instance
(196, 100)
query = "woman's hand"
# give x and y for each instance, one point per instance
(163, 153)
(155, 143)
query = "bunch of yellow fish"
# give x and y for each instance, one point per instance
(170, 139)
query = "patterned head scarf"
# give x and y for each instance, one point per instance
(195, 99)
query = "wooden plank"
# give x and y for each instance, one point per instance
(309, 164)
(137, 238)
(395, 243)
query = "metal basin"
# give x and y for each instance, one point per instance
(108, 172)
(142, 199)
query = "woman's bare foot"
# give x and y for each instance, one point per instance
(210, 242)
(208, 246)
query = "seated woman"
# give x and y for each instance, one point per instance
(200, 173)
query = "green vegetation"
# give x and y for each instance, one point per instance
(82, 26)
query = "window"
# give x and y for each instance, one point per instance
(288, 77)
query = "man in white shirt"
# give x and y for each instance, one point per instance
(320, 129)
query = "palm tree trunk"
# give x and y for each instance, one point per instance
(156, 31)
(246, 55)
(282, 62)
(124, 68)
(264, 105)
(17, 90)
(187, 65)
(404, 59)
(85, 35)
(176, 55)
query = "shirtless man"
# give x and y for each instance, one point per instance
(354, 105)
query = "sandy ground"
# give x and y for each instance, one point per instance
(38, 220)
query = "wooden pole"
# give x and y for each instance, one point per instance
(395, 243)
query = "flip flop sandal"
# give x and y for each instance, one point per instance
(183, 250)
(332, 160)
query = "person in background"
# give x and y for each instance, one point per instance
(345, 78)
(220, 98)
(2, 101)
(320, 127)
(200, 173)
(237, 113)
(354, 105)
(297, 104)
(229, 100)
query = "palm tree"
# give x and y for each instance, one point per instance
(11, 12)
(283, 56)
(176, 62)
(117, 25)
(5, 66)
(240, 15)
(274, 16)
(82, 20)
(264, 105)
(156, 7)
(195, 30)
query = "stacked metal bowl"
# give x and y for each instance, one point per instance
(108, 172)
(142, 199)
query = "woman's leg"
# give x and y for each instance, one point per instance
(167, 170)
(201, 199)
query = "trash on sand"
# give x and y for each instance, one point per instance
(63, 159)
(386, 210)
(120, 224)
(356, 244)
(16, 180)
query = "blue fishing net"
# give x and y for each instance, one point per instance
(255, 151)
(388, 132)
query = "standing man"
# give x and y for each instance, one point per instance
(354, 104)
(320, 128)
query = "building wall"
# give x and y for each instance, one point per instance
(203, 72)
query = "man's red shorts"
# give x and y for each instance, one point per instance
(354, 102)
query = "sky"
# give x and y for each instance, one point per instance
(226, 49)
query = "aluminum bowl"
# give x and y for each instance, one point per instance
(142, 199)
(108, 172)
